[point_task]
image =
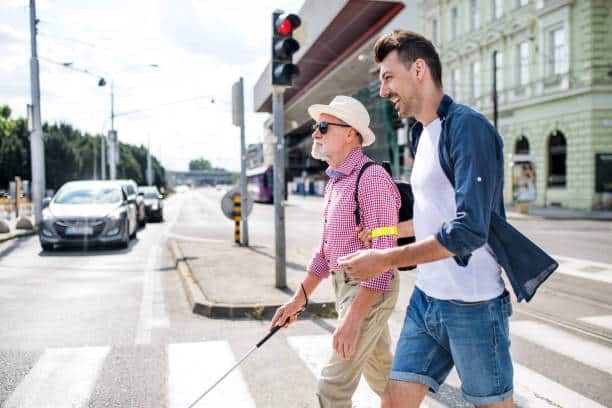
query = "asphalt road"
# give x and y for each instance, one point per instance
(109, 327)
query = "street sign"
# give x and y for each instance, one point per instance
(227, 203)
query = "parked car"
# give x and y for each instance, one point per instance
(154, 204)
(87, 213)
(132, 192)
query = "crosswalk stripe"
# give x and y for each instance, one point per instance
(315, 350)
(579, 268)
(62, 377)
(601, 321)
(564, 343)
(193, 367)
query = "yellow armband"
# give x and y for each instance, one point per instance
(379, 232)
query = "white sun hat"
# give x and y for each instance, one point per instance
(350, 111)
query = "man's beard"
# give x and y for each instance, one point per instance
(318, 152)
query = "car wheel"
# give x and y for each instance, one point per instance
(46, 247)
(125, 242)
(133, 236)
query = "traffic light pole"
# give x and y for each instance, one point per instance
(243, 181)
(37, 147)
(279, 185)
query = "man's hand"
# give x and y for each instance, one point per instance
(346, 336)
(366, 264)
(286, 314)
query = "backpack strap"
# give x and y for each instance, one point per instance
(361, 171)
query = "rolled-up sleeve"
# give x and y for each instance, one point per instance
(379, 203)
(318, 265)
(475, 151)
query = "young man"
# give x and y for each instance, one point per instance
(361, 340)
(458, 313)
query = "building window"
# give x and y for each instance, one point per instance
(475, 80)
(499, 72)
(522, 145)
(522, 53)
(434, 31)
(558, 52)
(522, 3)
(455, 82)
(474, 15)
(496, 9)
(557, 154)
(454, 22)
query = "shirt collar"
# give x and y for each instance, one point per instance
(445, 103)
(347, 165)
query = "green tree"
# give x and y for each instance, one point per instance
(199, 164)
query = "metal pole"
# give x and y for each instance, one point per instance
(243, 182)
(112, 136)
(279, 185)
(495, 88)
(102, 158)
(37, 148)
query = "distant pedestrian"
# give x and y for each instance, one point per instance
(459, 310)
(361, 340)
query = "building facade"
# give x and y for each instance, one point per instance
(551, 61)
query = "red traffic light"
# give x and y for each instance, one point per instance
(286, 23)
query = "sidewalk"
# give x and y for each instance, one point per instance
(223, 280)
(558, 213)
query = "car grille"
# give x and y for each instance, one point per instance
(97, 225)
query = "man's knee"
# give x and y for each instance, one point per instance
(403, 394)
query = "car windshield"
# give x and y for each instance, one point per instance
(89, 195)
(149, 192)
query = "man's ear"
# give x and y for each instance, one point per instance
(419, 68)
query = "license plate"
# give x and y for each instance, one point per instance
(79, 230)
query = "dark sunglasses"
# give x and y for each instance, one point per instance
(323, 126)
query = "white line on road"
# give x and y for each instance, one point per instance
(193, 367)
(580, 269)
(63, 377)
(315, 350)
(601, 321)
(564, 343)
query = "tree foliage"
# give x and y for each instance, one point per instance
(199, 164)
(69, 155)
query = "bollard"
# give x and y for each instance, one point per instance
(237, 219)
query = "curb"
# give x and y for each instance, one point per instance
(201, 305)
(19, 234)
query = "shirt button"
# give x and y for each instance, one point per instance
(326, 241)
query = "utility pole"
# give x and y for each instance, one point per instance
(149, 168)
(495, 88)
(102, 158)
(37, 148)
(113, 155)
(279, 184)
(238, 120)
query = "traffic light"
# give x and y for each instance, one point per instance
(283, 48)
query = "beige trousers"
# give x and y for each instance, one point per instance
(373, 356)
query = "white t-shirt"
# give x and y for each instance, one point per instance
(434, 204)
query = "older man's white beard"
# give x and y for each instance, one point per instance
(318, 152)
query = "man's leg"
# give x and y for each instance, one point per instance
(339, 378)
(378, 364)
(401, 394)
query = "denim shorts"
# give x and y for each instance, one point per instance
(472, 336)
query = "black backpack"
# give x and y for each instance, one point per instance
(405, 211)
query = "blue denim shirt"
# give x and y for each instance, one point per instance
(471, 156)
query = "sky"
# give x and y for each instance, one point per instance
(172, 61)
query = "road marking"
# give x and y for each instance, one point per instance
(564, 343)
(601, 321)
(62, 377)
(315, 350)
(580, 267)
(193, 367)
(145, 320)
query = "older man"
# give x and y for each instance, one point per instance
(361, 340)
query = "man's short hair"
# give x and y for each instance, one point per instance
(410, 46)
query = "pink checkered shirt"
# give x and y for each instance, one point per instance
(379, 203)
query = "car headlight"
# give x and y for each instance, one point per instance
(47, 215)
(116, 214)
(154, 206)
